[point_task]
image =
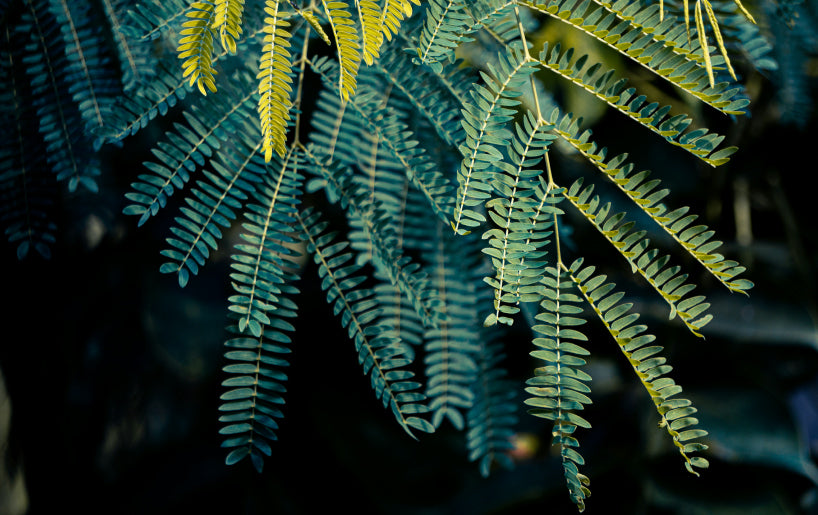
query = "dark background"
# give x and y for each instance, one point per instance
(113, 372)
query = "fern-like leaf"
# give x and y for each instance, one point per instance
(696, 240)
(604, 86)
(650, 368)
(69, 146)
(452, 348)
(255, 387)
(394, 134)
(373, 219)
(369, 14)
(266, 234)
(94, 85)
(151, 23)
(27, 186)
(512, 209)
(275, 81)
(484, 120)
(442, 32)
(393, 14)
(659, 44)
(196, 46)
(559, 388)
(186, 149)
(346, 39)
(635, 248)
(382, 359)
(493, 415)
(136, 61)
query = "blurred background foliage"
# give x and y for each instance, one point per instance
(112, 372)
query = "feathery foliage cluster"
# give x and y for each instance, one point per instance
(455, 218)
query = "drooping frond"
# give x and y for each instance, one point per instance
(186, 149)
(275, 81)
(668, 281)
(484, 120)
(696, 240)
(377, 169)
(602, 84)
(453, 347)
(196, 46)
(515, 212)
(714, 23)
(675, 413)
(255, 387)
(369, 14)
(47, 66)
(440, 109)
(393, 14)
(27, 186)
(449, 23)
(89, 69)
(346, 39)
(261, 305)
(559, 387)
(228, 20)
(134, 110)
(211, 205)
(743, 37)
(466, 382)
(374, 220)
(535, 232)
(266, 240)
(382, 359)
(639, 32)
